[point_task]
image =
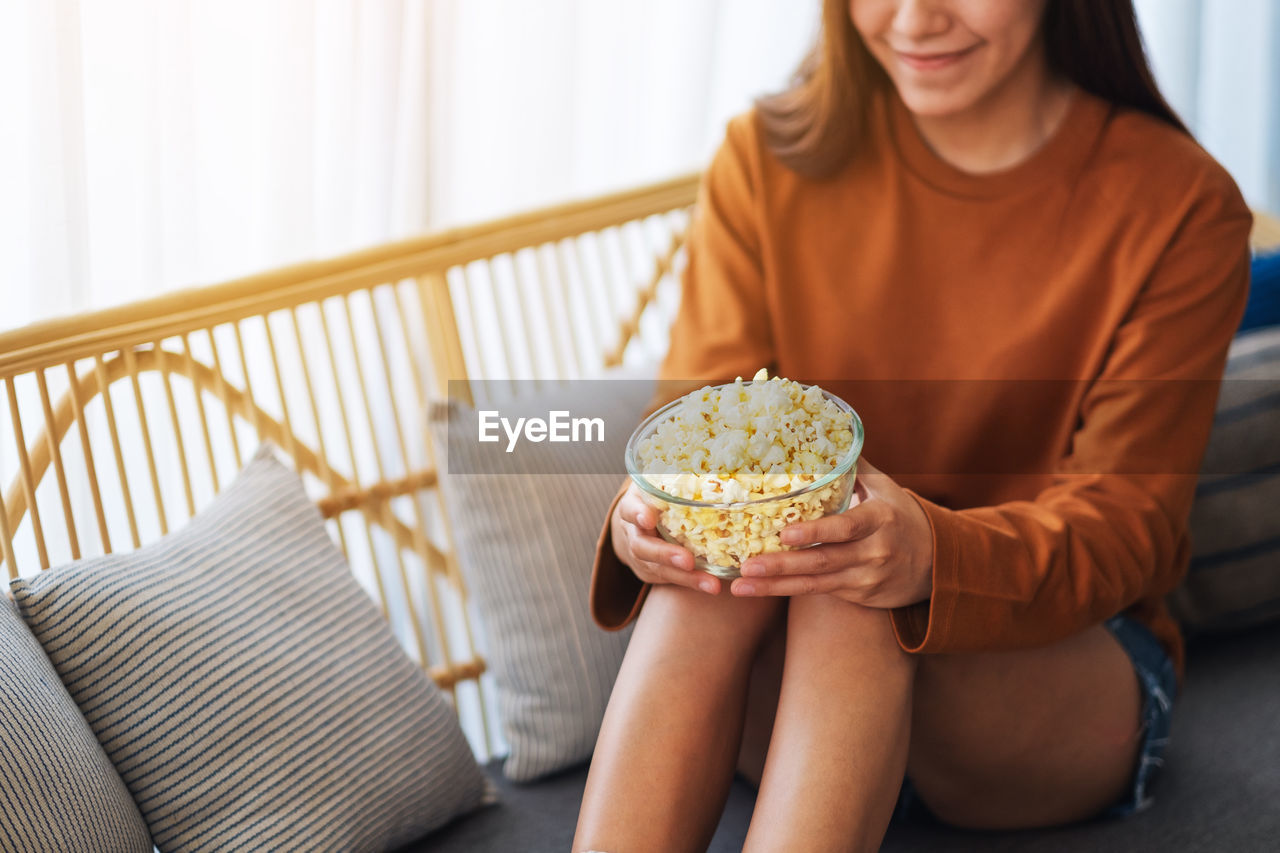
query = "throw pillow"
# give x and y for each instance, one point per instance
(1234, 579)
(245, 687)
(525, 526)
(58, 791)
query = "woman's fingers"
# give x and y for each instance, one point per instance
(633, 509)
(654, 560)
(787, 585)
(651, 572)
(852, 524)
(821, 560)
(655, 550)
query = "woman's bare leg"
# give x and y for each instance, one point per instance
(839, 745)
(1028, 738)
(665, 756)
(1005, 740)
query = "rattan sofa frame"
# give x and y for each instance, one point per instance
(122, 422)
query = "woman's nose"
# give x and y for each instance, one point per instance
(920, 19)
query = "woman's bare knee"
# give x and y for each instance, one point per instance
(680, 623)
(835, 623)
(699, 610)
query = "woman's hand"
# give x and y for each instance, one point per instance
(653, 559)
(878, 553)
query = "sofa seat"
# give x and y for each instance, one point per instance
(1220, 791)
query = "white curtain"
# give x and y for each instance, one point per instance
(153, 144)
(537, 101)
(1218, 62)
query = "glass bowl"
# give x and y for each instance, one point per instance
(737, 530)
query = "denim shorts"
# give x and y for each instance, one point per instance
(1158, 687)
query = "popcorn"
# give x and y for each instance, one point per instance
(741, 444)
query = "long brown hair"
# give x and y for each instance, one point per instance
(815, 125)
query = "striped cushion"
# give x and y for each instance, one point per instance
(58, 791)
(525, 533)
(245, 687)
(1234, 580)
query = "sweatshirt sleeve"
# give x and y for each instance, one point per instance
(721, 328)
(1111, 528)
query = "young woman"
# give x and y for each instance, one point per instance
(984, 212)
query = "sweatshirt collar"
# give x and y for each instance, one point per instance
(1063, 154)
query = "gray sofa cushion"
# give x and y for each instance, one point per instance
(1234, 578)
(525, 526)
(1219, 792)
(58, 791)
(246, 688)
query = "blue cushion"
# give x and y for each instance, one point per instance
(1263, 308)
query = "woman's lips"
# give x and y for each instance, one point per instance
(932, 61)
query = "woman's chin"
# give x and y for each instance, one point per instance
(929, 102)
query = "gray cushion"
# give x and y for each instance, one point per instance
(1219, 790)
(525, 526)
(58, 791)
(1234, 578)
(246, 688)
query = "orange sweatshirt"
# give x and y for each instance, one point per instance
(1035, 352)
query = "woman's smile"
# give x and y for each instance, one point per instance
(934, 60)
